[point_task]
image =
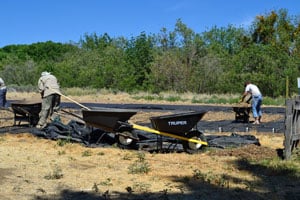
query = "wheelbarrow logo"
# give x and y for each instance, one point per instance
(177, 123)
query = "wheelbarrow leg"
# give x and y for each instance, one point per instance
(159, 144)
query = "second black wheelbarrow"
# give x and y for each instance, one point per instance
(27, 111)
(181, 126)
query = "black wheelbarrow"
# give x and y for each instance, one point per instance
(242, 113)
(26, 111)
(180, 126)
(243, 109)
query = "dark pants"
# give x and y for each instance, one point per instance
(3, 97)
(50, 105)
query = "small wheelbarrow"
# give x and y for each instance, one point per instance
(26, 111)
(180, 126)
(243, 109)
(242, 112)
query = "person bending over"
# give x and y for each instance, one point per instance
(49, 90)
(256, 103)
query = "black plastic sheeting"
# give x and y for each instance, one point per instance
(203, 125)
(233, 126)
(78, 132)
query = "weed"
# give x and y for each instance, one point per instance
(86, 153)
(107, 182)
(56, 174)
(141, 156)
(61, 153)
(115, 145)
(219, 180)
(101, 153)
(197, 174)
(164, 195)
(127, 156)
(141, 187)
(72, 158)
(62, 143)
(95, 187)
(140, 166)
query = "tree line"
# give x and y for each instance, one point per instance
(217, 61)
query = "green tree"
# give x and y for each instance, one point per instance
(20, 73)
(138, 57)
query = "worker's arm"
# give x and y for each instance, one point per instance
(243, 97)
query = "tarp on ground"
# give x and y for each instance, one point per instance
(93, 137)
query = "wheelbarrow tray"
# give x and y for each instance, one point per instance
(242, 112)
(179, 123)
(107, 119)
(26, 111)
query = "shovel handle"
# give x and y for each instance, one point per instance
(70, 99)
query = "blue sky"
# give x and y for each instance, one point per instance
(31, 21)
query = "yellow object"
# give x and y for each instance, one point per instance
(147, 129)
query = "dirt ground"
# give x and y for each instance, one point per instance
(36, 168)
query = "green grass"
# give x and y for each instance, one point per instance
(279, 101)
(277, 166)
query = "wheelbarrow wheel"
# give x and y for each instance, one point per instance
(192, 147)
(126, 138)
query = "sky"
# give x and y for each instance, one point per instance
(65, 21)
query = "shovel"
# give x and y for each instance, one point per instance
(57, 92)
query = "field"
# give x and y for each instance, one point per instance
(36, 168)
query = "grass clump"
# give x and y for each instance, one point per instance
(56, 174)
(141, 187)
(86, 153)
(106, 182)
(61, 153)
(63, 142)
(219, 180)
(140, 166)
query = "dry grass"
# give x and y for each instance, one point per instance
(104, 97)
(26, 161)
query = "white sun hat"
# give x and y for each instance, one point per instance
(45, 73)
